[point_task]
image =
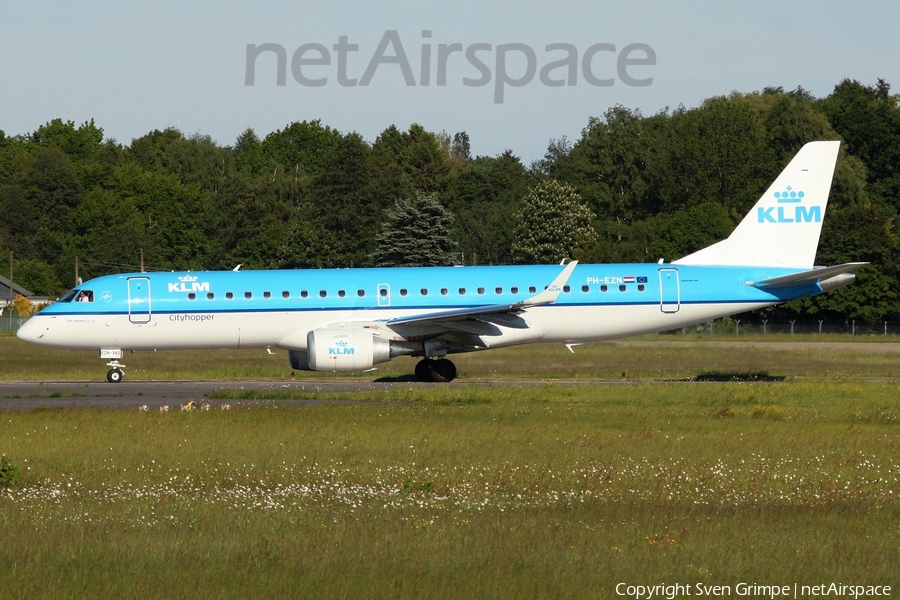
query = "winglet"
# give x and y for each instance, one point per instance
(549, 295)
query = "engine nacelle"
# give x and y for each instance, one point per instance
(299, 360)
(350, 349)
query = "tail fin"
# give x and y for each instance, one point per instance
(783, 228)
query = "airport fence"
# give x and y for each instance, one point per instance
(10, 322)
(755, 326)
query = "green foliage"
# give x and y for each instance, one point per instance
(553, 224)
(489, 192)
(9, 473)
(415, 233)
(868, 119)
(691, 229)
(76, 143)
(38, 277)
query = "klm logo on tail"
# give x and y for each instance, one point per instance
(784, 214)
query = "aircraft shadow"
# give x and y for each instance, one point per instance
(736, 376)
(397, 379)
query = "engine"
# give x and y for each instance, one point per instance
(341, 349)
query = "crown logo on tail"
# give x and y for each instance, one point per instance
(789, 196)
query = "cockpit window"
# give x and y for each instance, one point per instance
(85, 296)
(69, 296)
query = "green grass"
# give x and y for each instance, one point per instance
(548, 491)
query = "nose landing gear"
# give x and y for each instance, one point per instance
(115, 374)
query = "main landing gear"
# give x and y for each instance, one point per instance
(440, 370)
(115, 374)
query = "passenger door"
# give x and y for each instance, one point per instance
(139, 300)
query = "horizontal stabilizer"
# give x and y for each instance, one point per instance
(806, 277)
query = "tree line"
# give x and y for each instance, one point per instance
(631, 188)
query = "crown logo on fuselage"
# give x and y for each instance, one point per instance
(188, 278)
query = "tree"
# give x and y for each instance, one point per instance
(553, 224)
(461, 147)
(415, 233)
(868, 119)
(39, 277)
(76, 143)
(489, 193)
(22, 306)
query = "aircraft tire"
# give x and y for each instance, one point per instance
(114, 376)
(443, 371)
(423, 370)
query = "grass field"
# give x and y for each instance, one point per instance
(561, 490)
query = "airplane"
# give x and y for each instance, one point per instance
(354, 319)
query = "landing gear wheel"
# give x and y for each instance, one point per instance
(114, 376)
(443, 370)
(423, 370)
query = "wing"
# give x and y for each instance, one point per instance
(465, 319)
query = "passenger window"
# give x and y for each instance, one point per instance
(210, 296)
(622, 288)
(585, 289)
(444, 291)
(248, 295)
(532, 289)
(383, 292)
(267, 294)
(513, 290)
(341, 293)
(424, 291)
(604, 288)
(361, 293)
(285, 294)
(462, 291)
(567, 289)
(323, 294)
(403, 292)
(480, 290)
(192, 296)
(498, 290)
(229, 295)
(304, 294)
(640, 287)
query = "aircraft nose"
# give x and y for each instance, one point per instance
(30, 331)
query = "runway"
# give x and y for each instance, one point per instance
(30, 395)
(155, 394)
